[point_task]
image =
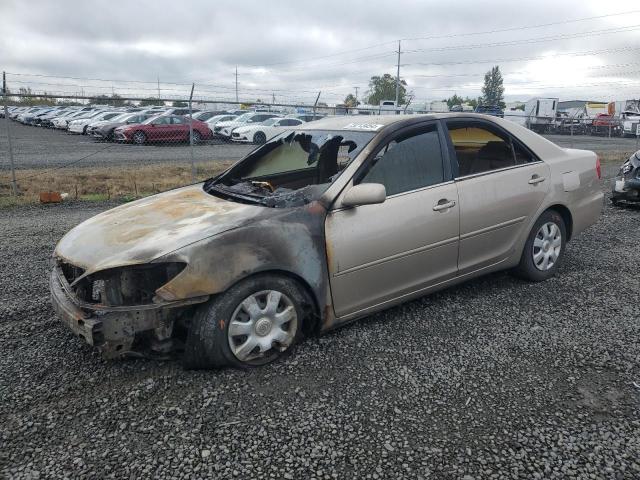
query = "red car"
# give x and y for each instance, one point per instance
(164, 128)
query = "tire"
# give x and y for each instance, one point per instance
(259, 138)
(543, 244)
(210, 343)
(197, 137)
(139, 138)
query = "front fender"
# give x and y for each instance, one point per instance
(291, 242)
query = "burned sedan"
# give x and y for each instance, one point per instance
(626, 185)
(318, 227)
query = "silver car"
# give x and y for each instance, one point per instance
(318, 227)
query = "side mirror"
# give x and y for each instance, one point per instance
(365, 194)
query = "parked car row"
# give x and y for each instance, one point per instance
(141, 125)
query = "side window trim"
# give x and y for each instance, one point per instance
(489, 126)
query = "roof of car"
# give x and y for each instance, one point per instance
(377, 122)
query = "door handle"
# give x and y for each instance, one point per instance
(535, 179)
(444, 204)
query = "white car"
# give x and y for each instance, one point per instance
(63, 122)
(80, 125)
(224, 129)
(268, 129)
(213, 121)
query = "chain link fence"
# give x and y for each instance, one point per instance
(102, 147)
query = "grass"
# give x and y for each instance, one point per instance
(103, 183)
(130, 182)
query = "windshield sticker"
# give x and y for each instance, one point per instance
(363, 126)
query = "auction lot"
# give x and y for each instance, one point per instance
(495, 378)
(36, 147)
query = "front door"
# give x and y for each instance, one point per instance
(380, 253)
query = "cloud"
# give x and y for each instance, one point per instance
(293, 49)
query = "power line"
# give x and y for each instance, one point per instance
(453, 35)
(526, 27)
(509, 43)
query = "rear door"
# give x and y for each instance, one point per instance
(501, 185)
(379, 253)
(179, 129)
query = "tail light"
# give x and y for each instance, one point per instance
(598, 168)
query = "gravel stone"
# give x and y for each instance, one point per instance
(495, 378)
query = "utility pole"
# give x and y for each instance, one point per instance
(14, 183)
(236, 84)
(356, 96)
(158, 87)
(398, 79)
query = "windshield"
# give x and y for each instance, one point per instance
(149, 120)
(121, 116)
(292, 169)
(243, 117)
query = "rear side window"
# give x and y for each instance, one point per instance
(408, 162)
(479, 149)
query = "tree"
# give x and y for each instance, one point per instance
(178, 103)
(350, 101)
(384, 88)
(493, 90)
(457, 100)
(115, 100)
(150, 101)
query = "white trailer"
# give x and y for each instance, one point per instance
(438, 107)
(541, 113)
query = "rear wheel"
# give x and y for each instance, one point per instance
(544, 248)
(253, 323)
(259, 138)
(139, 138)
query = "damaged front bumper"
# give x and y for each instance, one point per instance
(118, 330)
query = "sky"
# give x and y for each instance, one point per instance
(291, 50)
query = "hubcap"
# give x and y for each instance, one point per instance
(547, 246)
(264, 324)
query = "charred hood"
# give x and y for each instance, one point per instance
(146, 229)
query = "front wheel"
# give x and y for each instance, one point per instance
(544, 248)
(253, 323)
(259, 138)
(139, 138)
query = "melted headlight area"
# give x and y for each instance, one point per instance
(126, 286)
(118, 311)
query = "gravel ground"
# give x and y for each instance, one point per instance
(43, 148)
(496, 378)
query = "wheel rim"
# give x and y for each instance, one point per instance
(264, 324)
(546, 246)
(138, 137)
(196, 137)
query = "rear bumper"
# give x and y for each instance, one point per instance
(587, 211)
